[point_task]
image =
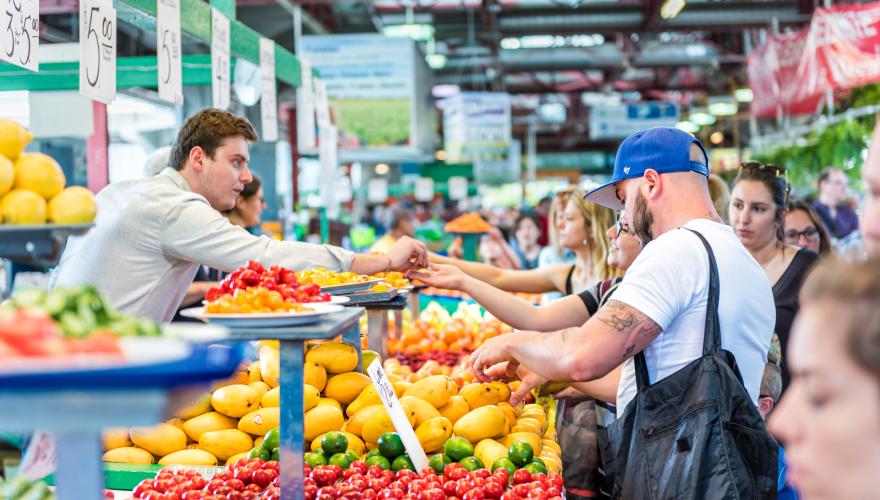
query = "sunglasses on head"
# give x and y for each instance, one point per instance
(756, 165)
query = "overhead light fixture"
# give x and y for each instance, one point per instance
(382, 168)
(702, 118)
(440, 155)
(688, 126)
(743, 95)
(722, 106)
(716, 138)
(417, 32)
(436, 61)
(671, 8)
(510, 43)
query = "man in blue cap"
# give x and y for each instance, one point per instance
(661, 180)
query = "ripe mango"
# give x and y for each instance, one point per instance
(128, 455)
(433, 433)
(239, 377)
(261, 421)
(356, 423)
(315, 375)
(335, 357)
(253, 372)
(481, 423)
(489, 450)
(509, 414)
(379, 423)
(536, 415)
(368, 357)
(478, 395)
(115, 438)
(271, 398)
(322, 419)
(354, 443)
(225, 443)
(261, 387)
(533, 440)
(189, 457)
(525, 424)
(160, 440)
(345, 387)
(330, 402)
(456, 408)
(235, 400)
(199, 407)
(311, 396)
(503, 390)
(238, 456)
(436, 389)
(551, 445)
(368, 397)
(423, 410)
(400, 387)
(270, 366)
(211, 421)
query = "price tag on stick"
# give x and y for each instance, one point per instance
(398, 418)
(219, 59)
(268, 105)
(21, 32)
(97, 45)
(168, 51)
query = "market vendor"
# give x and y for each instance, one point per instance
(151, 235)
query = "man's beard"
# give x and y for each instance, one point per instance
(642, 220)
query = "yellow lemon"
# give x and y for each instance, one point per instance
(20, 206)
(13, 139)
(39, 173)
(74, 205)
(7, 175)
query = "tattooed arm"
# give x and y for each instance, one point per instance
(612, 336)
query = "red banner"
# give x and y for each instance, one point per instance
(840, 50)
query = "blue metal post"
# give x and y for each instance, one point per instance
(291, 445)
(79, 471)
(352, 337)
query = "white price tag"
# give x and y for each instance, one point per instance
(39, 457)
(458, 188)
(327, 155)
(268, 105)
(305, 105)
(168, 51)
(97, 45)
(322, 106)
(398, 418)
(219, 59)
(377, 190)
(424, 190)
(21, 32)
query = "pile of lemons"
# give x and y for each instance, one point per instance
(32, 185)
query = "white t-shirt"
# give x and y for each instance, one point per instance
(669, 283)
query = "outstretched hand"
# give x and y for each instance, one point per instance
(408, 253)
(440, 276)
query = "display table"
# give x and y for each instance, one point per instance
(76, 406)
(40, 244)
(291, 349)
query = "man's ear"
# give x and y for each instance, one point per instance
(765, 406)
(652, 184)
(196, 158)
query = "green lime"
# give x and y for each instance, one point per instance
(504, 463)
(457, 448)
(315, 459)
(390, 446)
(270, 441)
(275, 454)
(539, 460)
(334, 442)
(520, 453)
(439, 462)
(354, 456)
(374, 453)
(259, 452)
(380, 461)
(402, 462)
(471, 463)
(340, 459)
(535, 467)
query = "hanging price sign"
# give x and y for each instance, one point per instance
(268, 105)
(97, 45)
(21, 32)
(219, 59)
(169, 51)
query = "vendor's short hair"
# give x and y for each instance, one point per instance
(207, 129)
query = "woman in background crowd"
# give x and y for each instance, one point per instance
(554, 253)
(803, 228)
(526, 232)
(757, 214)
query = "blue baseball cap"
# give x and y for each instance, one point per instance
(664, 149)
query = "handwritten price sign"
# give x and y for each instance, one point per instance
(97, 42)
(21, 32)
(169, 51)
(219, 59)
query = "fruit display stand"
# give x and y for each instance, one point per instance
(377, 322)
(74, 406)
(292, 341)
(38, 244)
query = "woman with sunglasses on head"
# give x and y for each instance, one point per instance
(757, 214)
(577, 416)
(803, 228)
